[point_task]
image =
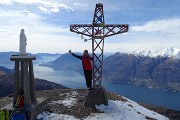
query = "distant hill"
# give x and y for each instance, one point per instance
(65, 62)
(6, 70)
(45, 57)
(5, 59)
(6, 83)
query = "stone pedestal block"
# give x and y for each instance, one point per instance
(97, 96)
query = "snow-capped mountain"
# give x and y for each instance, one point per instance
(168, 52)
(172, 51)
(161, 70)
(150, 53)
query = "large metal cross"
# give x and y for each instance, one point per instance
(98, 30)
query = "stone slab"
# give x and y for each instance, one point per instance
(41, 105)
(22, 58)
(96, 97)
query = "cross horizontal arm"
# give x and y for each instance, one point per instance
(84, 29)
(114, 29)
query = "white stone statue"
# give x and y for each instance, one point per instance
(23, 43)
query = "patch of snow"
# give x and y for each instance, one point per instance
(116, 110)
(71, 94)
(68, 102)
(53, 116)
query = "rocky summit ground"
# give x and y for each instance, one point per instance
(78, 110)
(71, 102)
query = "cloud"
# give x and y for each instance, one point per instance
(19, 1)
(45, 6)
(159, 26)
(156, 34)
(50, 7)
(41, 36)
(79, 4)
(43, 9)
(5, 2)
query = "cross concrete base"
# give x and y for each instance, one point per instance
(34, 109)
(97, 96)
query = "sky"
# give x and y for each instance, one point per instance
(153, 24)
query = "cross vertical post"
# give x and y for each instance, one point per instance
(97, 31)
(98, 45)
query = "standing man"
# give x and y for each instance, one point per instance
(87, 67)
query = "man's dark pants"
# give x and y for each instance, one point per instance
(88, 77)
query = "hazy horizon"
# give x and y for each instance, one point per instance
(105, 52)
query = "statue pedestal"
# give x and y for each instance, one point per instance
(24, 81)
(24, 78)
(97, 96)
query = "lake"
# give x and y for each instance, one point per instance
(73, 79)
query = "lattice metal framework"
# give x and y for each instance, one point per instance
(98, 30)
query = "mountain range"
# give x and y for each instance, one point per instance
(156, 69)
(159, 72)
(150, 68)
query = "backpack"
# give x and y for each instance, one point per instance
(4, 114)
(18, 112)
(19, 115)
